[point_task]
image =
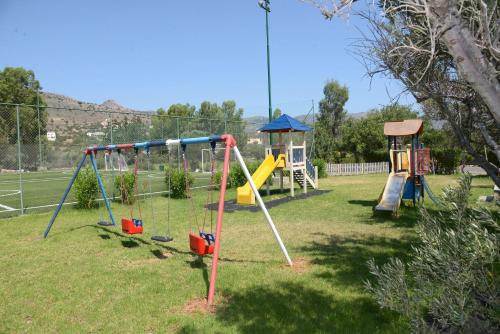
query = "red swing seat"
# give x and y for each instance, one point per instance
(132, 226)
(199, 246)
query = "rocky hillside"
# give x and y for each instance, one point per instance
(69, 117)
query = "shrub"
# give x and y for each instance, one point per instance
(86, 189)
(451, 284)
(178, 182)
(237, 177)
(446, 160)
(218, 181)
(321, 167)
(127, 193)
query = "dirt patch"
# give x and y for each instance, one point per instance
(300, 265)
(198, 305)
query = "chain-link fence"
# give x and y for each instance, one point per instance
(40, 147)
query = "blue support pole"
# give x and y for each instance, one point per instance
(101, 186)
(61, 202)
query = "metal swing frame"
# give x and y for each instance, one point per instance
(230, 143)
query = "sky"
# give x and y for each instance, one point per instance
(153, 53)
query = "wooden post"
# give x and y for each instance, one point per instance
(304, 158)
(316, 177)
(290, 157)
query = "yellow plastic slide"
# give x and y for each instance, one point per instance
(244, 195)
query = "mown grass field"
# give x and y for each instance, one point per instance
(86, 278)
(46, 188)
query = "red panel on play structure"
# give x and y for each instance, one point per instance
(199, 246)
(129, 227)
(423, 161)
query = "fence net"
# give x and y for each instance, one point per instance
(40, 147)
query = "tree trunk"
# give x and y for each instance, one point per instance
(490, 169)
(489, 140)
(470, 61)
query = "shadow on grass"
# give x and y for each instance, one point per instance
(137, 240)
(408, 217)
(290, 307)
(344, 259)
(129, 243)
(370, 204)
(198, 263)
(159, 254)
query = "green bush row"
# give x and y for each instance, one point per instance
(87, 189)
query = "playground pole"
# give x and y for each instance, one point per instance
(101, 186)
(61, 202)
(265, 5)
(261, 204)
(218, 228)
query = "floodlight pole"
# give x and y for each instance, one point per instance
(264, 4)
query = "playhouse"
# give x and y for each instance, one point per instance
(285, 155)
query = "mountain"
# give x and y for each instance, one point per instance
(68, 116)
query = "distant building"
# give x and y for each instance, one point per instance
(51, 136)
(255, 140)
(95, 134)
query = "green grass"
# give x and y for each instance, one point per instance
(85, 278)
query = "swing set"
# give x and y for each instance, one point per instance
(201, 243)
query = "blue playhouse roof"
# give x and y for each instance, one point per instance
(285, 123)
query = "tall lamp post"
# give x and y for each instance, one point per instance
(264, 4)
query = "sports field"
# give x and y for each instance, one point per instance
(87, 278)
(43, 190)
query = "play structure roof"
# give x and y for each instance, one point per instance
(407, 127)
(285, 123)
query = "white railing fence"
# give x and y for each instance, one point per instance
(357, 168)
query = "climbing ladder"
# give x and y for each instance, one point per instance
(310, 176)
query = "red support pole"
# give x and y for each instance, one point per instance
(230, 142)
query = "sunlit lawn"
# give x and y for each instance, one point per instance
(86, 278)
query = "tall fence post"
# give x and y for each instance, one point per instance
(178, 146)
(110, 157)
(19, 160)
(39, 131)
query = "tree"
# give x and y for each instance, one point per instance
(331, 115)
(364, 138)
(446, 53)
(277, 113)
(19, 86)
(185, 120)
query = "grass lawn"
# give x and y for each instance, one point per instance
(86, 278)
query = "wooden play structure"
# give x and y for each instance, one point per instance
(282, 156)
(407, 166)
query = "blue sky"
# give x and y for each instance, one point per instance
(147, 54)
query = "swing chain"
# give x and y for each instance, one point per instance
(169, 189)
(211, 189)
(136, 183)
(188, 188)
(148, 159)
